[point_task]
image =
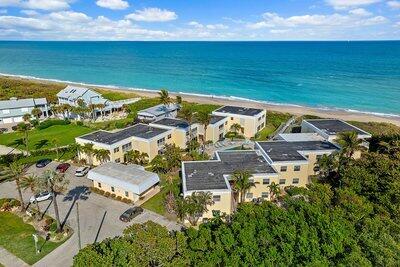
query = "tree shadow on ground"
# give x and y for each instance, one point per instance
(78, 193)
(40, 144)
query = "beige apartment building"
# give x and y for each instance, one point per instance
(216, 130)
(180, 130)
(280, 162)
(141, 137)
(252, 120)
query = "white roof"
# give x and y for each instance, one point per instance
(131, 178)
(159, 110)
(293, 137)
(22, 103)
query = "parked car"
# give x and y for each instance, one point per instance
(82, 171)
(63, 167)
(42, 163)
(40, 197)
(130, 213)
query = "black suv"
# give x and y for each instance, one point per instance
(130, 213)
(42, 163)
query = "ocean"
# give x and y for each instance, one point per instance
(356, 76)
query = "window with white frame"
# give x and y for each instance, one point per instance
(161, 141)
(295, 180)
(283, 168)
(265, 194)
(282, 181)
(266, 181)
(216, 198)
(116, 150)
(296, 168)
(127, 147)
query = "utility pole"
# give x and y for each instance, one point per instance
(79, 227)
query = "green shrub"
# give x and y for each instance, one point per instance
(48, 123)
(53, 226)
(119, 198)
(113, 195)
(79, 123)
(107, 194)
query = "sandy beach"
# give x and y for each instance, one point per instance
(296, 110)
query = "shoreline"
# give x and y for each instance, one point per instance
(347, 115)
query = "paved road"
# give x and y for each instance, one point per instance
(98, 215)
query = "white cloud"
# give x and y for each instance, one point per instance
(30, 13)
(272, 20)
(38, 4)
(344, 4)
(113, 4)
(152, 15)
(360, 12)
(394, 4)
(218, 26)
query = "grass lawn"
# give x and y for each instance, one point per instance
(16, 237)
(115, 96)
(273, 121)
(38, 139)
(156, 203)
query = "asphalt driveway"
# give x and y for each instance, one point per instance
(98, 216)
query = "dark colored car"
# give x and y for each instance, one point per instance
(130, 213)
(42, 163)
(63, 167)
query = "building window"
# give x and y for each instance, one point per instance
(297, 168)
(169, 136)
(282, 181)
(116, 150)
(295, 181)
(266, 181)
(118, 160)
(126, 193)
(112, 189)
(249, 195)
(216, 198)
(231, 118)
(226, 123)
(127, 147)
(221, 127)
(265, 195)
(161, 142)
(283, 168)
(99, 185)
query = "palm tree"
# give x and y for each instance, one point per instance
(196, 204)
(349, 143)
(159, 164)
(164, 97)
(24, 128)
(102, 155)
(178, 99)
(32, 182)
(92, 108)
(88, 150)
(187, 114)
(26, 117)
(36, 112)
(76, 147)
(274, 191)
(101, 108)
(236, 127)
(169, 186)
(204, 118)
(326, 164)
(132, 156)
(54, 142)
(16, 171)
(242, 183)
(56, 184)
(143, 158)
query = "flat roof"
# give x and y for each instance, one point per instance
(290, 137)
(209, 175)
(139, 130)
(22, 103)
(239, 110)
(128, 177)
(216, 118)
(334, 126)
(177, 123)
(289, 151)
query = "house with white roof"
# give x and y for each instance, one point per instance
(72, 94)
(127, 181)
(159, 112)
(13, 110)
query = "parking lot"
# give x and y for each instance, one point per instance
(98, 215)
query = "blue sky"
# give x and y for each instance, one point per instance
(199, 20)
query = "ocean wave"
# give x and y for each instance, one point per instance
(222, 97)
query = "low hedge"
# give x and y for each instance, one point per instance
(48, 123)
(109, 195)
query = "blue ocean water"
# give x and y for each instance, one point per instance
(363, 76)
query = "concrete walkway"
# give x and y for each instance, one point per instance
(9, 260)
(5, 150)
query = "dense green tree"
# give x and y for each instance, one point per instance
(32, 183)
(159, 164)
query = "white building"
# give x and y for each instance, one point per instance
(127, 181)
(159, 112)
(13, 110)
